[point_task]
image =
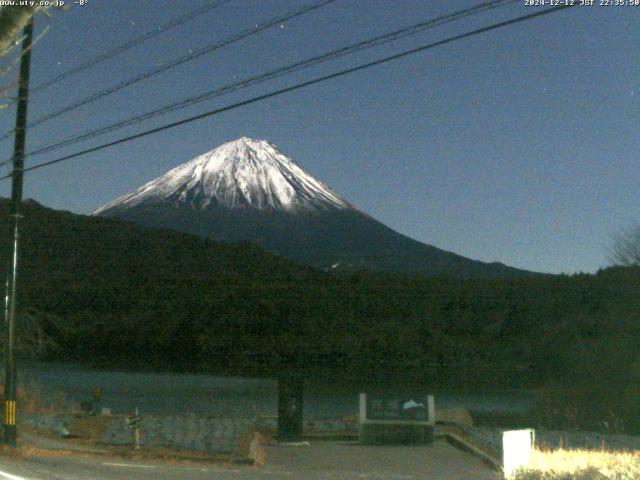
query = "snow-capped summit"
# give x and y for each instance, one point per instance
(243, 173)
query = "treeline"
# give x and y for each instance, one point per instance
(106, 292)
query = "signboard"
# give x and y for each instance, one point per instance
(400, 408)
(417, 409)
(396, 419)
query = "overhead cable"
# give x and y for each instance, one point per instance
(276, 73)
(299, 86)
(130, 44)
(174, 63)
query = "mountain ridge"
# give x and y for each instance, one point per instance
(248, 191)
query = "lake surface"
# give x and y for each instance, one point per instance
(208, 394)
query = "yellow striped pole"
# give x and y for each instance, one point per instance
(10, 413)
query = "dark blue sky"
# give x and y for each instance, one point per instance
(519, 145)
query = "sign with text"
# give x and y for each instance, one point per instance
(401, 408)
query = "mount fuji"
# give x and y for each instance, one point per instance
(248, 191)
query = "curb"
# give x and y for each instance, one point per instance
(459, 439)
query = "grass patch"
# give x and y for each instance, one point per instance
(172, 456)
(31, 399)
(90, 427)
(581, 465)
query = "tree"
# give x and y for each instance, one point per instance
(625, 247)
(12, 21)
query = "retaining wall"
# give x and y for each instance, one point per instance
(186, 432)
(207, 434)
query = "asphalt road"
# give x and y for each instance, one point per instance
(349, 460)
(321, 460)
(76, 468)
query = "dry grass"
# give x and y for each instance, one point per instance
(91, 428)
(151, 455)
(171, 456)
(581, 465)
(31, 399)
(252, 448)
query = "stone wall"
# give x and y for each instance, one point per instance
(349, 425)
(207, 434)
(395, 434)
(185, 432)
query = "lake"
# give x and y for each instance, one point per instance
(209, 394)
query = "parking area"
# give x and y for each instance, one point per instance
(349, 460)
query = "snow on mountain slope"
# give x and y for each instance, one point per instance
(243, 173)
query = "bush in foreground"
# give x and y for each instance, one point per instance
(588, 474)
(598, 391)
(581, 465)
(31, 399)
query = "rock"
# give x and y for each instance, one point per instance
(63, 431)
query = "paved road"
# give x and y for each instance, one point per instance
(320, 461)
(75, 468)
(349, 460)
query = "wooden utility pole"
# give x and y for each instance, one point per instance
(10, 375)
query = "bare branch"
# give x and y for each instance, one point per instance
(5, 71)
(12, 21)
(625, 247)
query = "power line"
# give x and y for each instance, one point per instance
(279, 72)
(298, 86)
(179, 61)
(132, 43)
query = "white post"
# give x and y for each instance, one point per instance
(431, 406)
(136, 431)
(363, 408)
(516, 450)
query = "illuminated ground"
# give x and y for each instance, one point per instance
(321, 460)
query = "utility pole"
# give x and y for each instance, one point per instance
(10, 370)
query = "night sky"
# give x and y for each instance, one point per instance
(518, 145)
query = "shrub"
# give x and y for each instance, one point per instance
(31, 399)
(581, 465)
(600, 390)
